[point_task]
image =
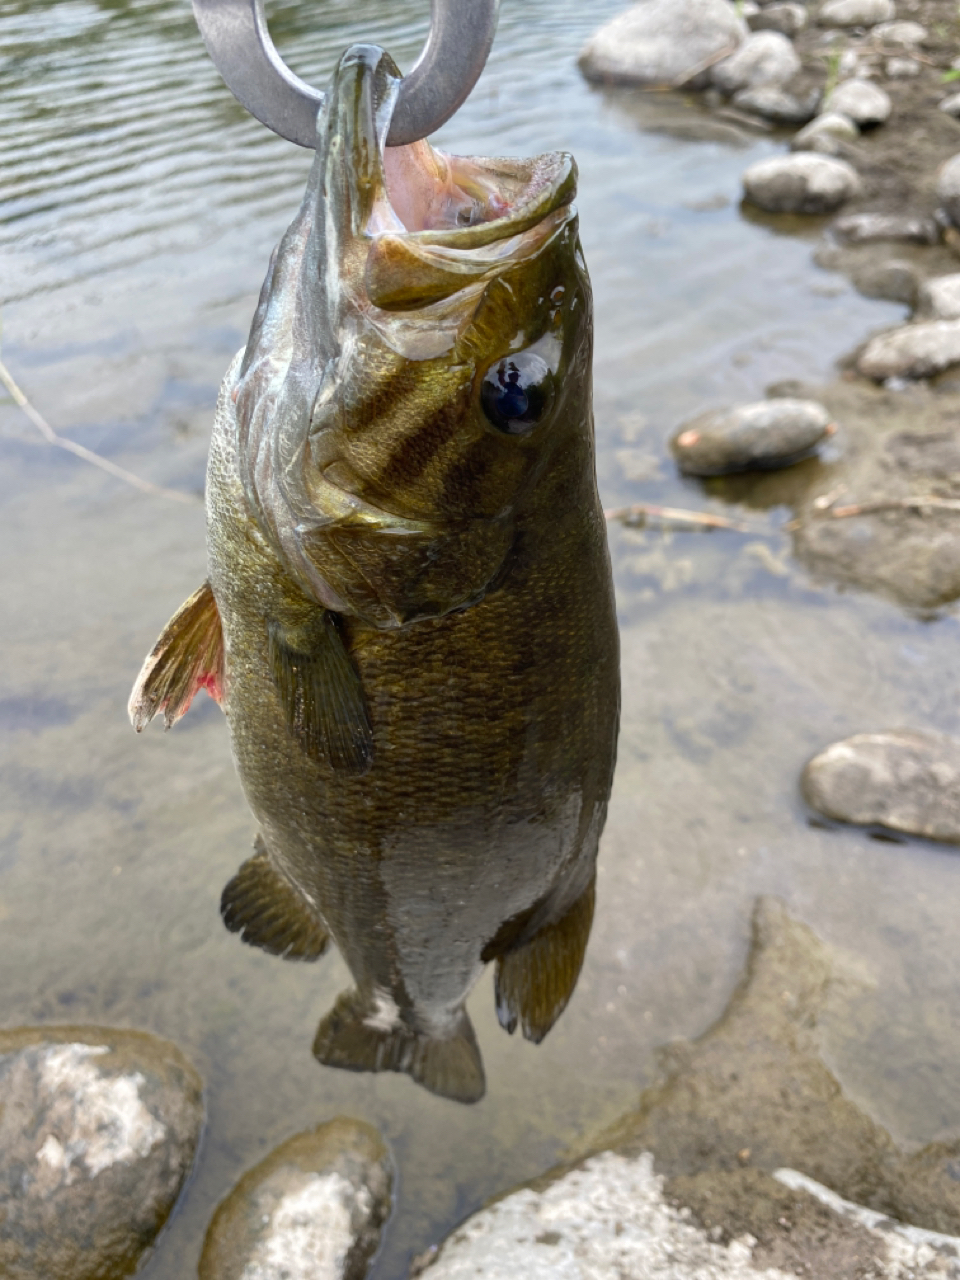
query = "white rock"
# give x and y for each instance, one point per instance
(800, 183)
(899, 35)
(863, 102)
(902, 68)
(948, 188)
(662, 42)
(939, 298)
(827, 134)
(912, 351)
(786, 17)
(856, 13)
(951, 105)
(765, 57)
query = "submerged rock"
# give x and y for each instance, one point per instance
(912, 351)
(800, 183)
(766, 434)
(312, 1210)
(776, 104)
(856, 13)
(894, 279)
(827, 134)
(939, 298)
(98, 1130)
(863, 101)
(749, 1130)
(764, 58)
(905, 781)
(662, 42)
(871, 228)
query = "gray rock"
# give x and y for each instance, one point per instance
(662, 42)
(98, 1130)
(800, 183)
(948, 188)
(939, 298)
(899, 35)
(951, 105)
(312, 1210)
(827, 134)
(856, 13)
(873, 228)
(864, 102)
(764, 58)
(905, 781)
(902, 68)
(763, 435)
(893, 279)
(776, 104)
(912, 351)
(786, 18)
(749, 1128)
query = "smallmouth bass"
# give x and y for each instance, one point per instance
(409, 618)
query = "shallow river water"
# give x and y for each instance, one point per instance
(138, 208)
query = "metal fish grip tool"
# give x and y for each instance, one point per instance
(237, 39)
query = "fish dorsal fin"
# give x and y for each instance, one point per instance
(353, 1036)
(187, 657)
(321, 694)
(535, 981)
(268, 912)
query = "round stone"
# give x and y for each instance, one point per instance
(948, 188)
(800, 183)
(862, 100)
(856, 13)
(764, 58)
(912, 351)
(662, 42)
(826, 134)
(758, 436)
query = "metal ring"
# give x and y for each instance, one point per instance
(235, 33)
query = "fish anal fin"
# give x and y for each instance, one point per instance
(534, 982)
(321, 694)
(268, 912)
(187, 657)
(349, 1037)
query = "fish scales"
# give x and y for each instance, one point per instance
(409, 569)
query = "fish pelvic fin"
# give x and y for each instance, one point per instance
(187, 657)
(268, 912)
(321, 694)
(350, 1037)
(534, 982)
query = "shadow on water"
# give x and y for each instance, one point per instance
(138, 212)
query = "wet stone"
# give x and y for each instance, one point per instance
(800, 183)
(827, 134)
(948, 188)
(98, 1130)
(904, 781)
(776, 104)
(939, 298)
(314, 1209)
(788, 19)
(873, 228)
(662, 42)
(918, 350)
(856, 13)
(862, 100)
(893, 279)
(764, 58)
(763, 435)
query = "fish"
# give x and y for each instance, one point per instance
(409, 615)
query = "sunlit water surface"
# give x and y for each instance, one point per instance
(139, 208)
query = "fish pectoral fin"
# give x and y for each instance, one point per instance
(321, 695)
(350, 1037)
(535, 981)
(187, 657)
(268, 912)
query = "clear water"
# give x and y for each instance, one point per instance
(138, 207)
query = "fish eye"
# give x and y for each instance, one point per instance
(516, 393)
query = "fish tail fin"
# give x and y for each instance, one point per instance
(268, 912)
(451, 1067)
(535, 981)
(187, 657)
